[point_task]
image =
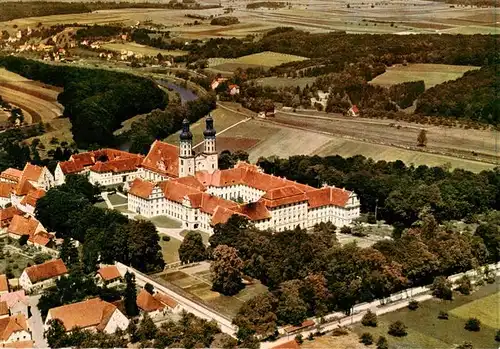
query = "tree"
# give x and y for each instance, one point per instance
(473, 324)
(464, 285)
(23, 240)
(192, 248)
(382, 343)
(369, 319)
(150, 288)
(397, 329)
(226, 270)
(299, 339)
(144, 250)
(291, 307)
(443, 315)
(39, 258)
(497, 336)
(441, 288)
(147, 329)
(56, 334)
(366, 338)
(69, 253)
(422, 138)
(257, 316)
(413, 305)
(130, 295)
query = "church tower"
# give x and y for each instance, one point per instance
(186, 156)
(210, 150)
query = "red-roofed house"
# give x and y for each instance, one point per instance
(6, 189)
(42, 275)
(14, 329)
(91, 314)
(17, 302)
(157, 305)
(21, 225)
(108, 275)
(353, 111)
(6, 215)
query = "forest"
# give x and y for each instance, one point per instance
(96, 101)
(398, 191)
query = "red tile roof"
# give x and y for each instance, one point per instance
(328, 196)
(33, 197)
(109, 272)
(69, 167)
(9, 213)
(147, 302)
(163, 158)
(12, 298)
(163, 298)
(32, 172)
(77, 162)
(12, 324)
(23, 187)
(12, 174)
(283, 196)
(6, 189)
(255, 211)
(208, 203)
(23, 226)
(117, 166)
(47, 270)
(176, 191)
(288, 345)
(141, 188)
(89, 313)
(4, 309)
(4, 285)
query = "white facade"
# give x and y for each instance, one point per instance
(112, 178)
(28, 286)
(18, 336)
(117, 321)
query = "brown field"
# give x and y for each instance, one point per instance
(38, 101)
(432, 74)
(285, 82)
(314, 15)
(140, 49)
(350, 341)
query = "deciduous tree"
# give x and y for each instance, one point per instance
(192, 248)
(226, 270)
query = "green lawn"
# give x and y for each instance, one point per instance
(425, 330)
(170, 250)
(16, 261)
(101, 204)
(482, 309)
(204, 236)
(165, 222)
(116, 199)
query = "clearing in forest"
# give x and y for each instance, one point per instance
(265, 59)
(432, 74)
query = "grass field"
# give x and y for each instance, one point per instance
(285, 82)
(116, 199)
(165, 222)
(265, 59)
(170, 250)
(140, 49)
(58, 128)
(38, 101)
(425, 330)
(482, 309)
(432, 74)
(197, 283)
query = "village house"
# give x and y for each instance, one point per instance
(4, 284)
(14, 329)
(201, 198)
(157, 305)
(17, 302)
(42, 275)
(104, 166)
(108, 275)
(5, 192)
(234, 90)
(216, 82)
(38, 177)
(91, 314)
(7, 214)
(35, 231)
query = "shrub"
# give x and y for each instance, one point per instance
(23, 240)
(490, 280)
(473, 324)
(148, 287)
(165, 238)
(397, 329)
(366, 338)
(382, 343)
(340, 331)
(299, 339)
(465, 345)
(443, 315)
(346, 230)
(310, 336)
(497, 336)
(15, 266)
(369, 319)
(441, 288)
(413, 305)
(225, 21)
(464, 285)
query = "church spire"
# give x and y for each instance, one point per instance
(186, 134)
(209, 127)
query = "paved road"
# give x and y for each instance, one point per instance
(36, 324)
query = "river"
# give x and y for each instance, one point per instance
(185, 94)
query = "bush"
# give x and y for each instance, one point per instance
(15, 266)
(165, 238)
(473, 324)
(299, 339)
(340, 331)
(464, 285)
(148, 287)
(497, 336)
(397, 329)
(443, 315)
(382, 343)
(310, 336)
(224, 21)
(366, 338)
(441, 288)
(346, 230)
(369, 319)
(413, 305)
(465, 345)
(23, 240)
(490, 280)
(39, 258)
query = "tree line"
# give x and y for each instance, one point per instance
(107, 235)
(96, 101)
(399, 192)
(311, 274)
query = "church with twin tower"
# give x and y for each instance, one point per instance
(189, 162)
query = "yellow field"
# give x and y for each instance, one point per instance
(264, 59)
(432, 74)
(485, 309)
(141, 49)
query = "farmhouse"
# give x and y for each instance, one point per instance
(91, 314)
(157, 305)
(108, 275)
(7, 214)
(202, 195)
(31, 227)
(17, 302)
(14, 329)
(42, 275)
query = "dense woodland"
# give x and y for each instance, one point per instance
(20, 9)
(96, 101)
(399, 192)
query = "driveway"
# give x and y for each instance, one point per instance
(36, 324)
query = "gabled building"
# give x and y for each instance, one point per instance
(14, 329)
(17, 302)
(108, 275)
(4, 284)
(91, 314)
(42, 275)
(6, 189)
(157, 305)
(35, 231)
(7, 214)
